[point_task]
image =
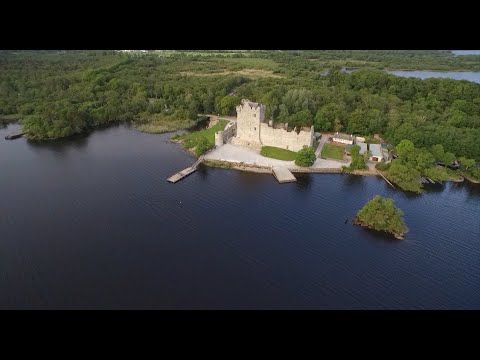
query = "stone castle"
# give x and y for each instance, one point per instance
(251, 130)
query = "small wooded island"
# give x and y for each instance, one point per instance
(381, 214)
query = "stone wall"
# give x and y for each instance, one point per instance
(253, 131)
(229, 131)
(221, 137)
(251, 145)
(290, 140)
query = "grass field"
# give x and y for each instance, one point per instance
(333, 151)
(159, 123)
(190, 140)
(277, 153)
(251, 73)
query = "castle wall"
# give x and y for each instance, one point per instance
(230, 131)
(251, 145)
(221, 137)
(282, 138)
(254, 132)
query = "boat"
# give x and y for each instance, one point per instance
(14, 136)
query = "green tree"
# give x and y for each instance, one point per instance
(381, 214)
(424, 160)
(228, 104)
(301, 118)
(404, 176)
(406, 151)
(305, 157)
(436, 173)
(438, 152)
(337, 125)
(448, 158)
(358, 161)
(321, 122)
(466, 163)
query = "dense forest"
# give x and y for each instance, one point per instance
(61, 93)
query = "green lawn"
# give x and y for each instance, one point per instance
(333, 151)
(277, 153)
(191, 139)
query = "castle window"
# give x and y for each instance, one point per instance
(254, 115)
(255, 129)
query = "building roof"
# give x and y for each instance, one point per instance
(376, 150)
(343, 136)
(363, 147)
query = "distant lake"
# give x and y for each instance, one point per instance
(456, 75)
(92, 223)
(466, 52)
(459, 75)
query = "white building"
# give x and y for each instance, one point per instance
(343, 138)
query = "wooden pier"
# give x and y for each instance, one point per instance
(427, 180)
(283, 175)
(384, 178)
(184, 173)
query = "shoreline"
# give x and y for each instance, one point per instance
(222, 164)
(357, 221)
(268, 170)
(260, 169)
(469, 178)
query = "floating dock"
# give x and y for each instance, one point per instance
(283, 175)
(184, 173)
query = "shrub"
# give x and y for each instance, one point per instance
(305, 157)
(382, 166)
(202, 146)
(358, 161)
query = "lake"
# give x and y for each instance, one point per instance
(466, 52)
(423, 74)
(456, 75)
(92, 223)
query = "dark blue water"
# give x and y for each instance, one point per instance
(92, 223)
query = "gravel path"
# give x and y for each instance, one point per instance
(233, 153)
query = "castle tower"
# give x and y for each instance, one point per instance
(249, 117)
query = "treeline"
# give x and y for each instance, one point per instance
(413, 163)
(427, 112)
(58, 94)
(387, 59)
